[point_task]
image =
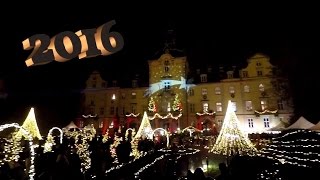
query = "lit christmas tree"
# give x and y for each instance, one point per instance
(30, 124)
(145, 128)
(177, 106)
(152, 105)
(232, 140)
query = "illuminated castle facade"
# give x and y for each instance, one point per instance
(173, 102)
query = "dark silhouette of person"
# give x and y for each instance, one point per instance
(224, 173)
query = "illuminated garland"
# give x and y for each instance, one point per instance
(49, 143)
(26, 134)
(152, 105)
(86, 134)
(206, 113)
(106, 136)
(177, 105)
(61, 133)
(134, 146)
(89, 116)
(132, 115)
(113, 147)
(299, 148)
(133, 133)
(266, 111)
(12, 148)
(169, 115)
(232, 140)
(166, 133)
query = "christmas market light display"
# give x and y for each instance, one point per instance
(105, 136)
(61, 133)
(30, 124)
(298, 148)
(133, 132)
(232, 140)
(28, 136)
(177, 105)
(82, 138)
(165, 133)
(169, 115)
(145, 129)
(49, 143)
(152, 105)
(116, 141)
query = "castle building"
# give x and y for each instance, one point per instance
(173, 103)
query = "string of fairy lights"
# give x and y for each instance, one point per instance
(28, 136)
(298, 148)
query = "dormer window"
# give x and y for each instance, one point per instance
(258, 64)
(203, 78)
(261, 87)
(230, 74)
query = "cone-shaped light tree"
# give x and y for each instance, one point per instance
(145, 127)
(30, 124)
(232, 140)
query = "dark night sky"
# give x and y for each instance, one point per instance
(212, 35)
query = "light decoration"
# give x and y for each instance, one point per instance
(206, 113)
(177, 105)
(155, 87)
(136, 175)
(266, 111)
(89, 116)
(133, 132)
(82, 144)
(28, 136)
(61, 133)
(269, 174)
(145, 129)
(30, 124)
(166, 133)
(169, 115)
(49, 143)
(152, 105)
(132, 115)
(298, 148)
(134, 148)
(12, 148)
(232, 140)
(113, 147)
(105, 136)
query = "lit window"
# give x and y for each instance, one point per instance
(219, 106)
(167, 85)
(250, 122)
(266, 122)
(263, 105)
(231, 90)
(261, 87)
(168, 107)
(246, 88)
(203, 78)
(217, 90)
(248, 105)
(113, 97)
(205, 107)
(204, 91)
(133, 95)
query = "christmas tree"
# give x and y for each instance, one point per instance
(177, 106)
(30, 124)
(145, 128)
(152, 105)
(232, 140)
